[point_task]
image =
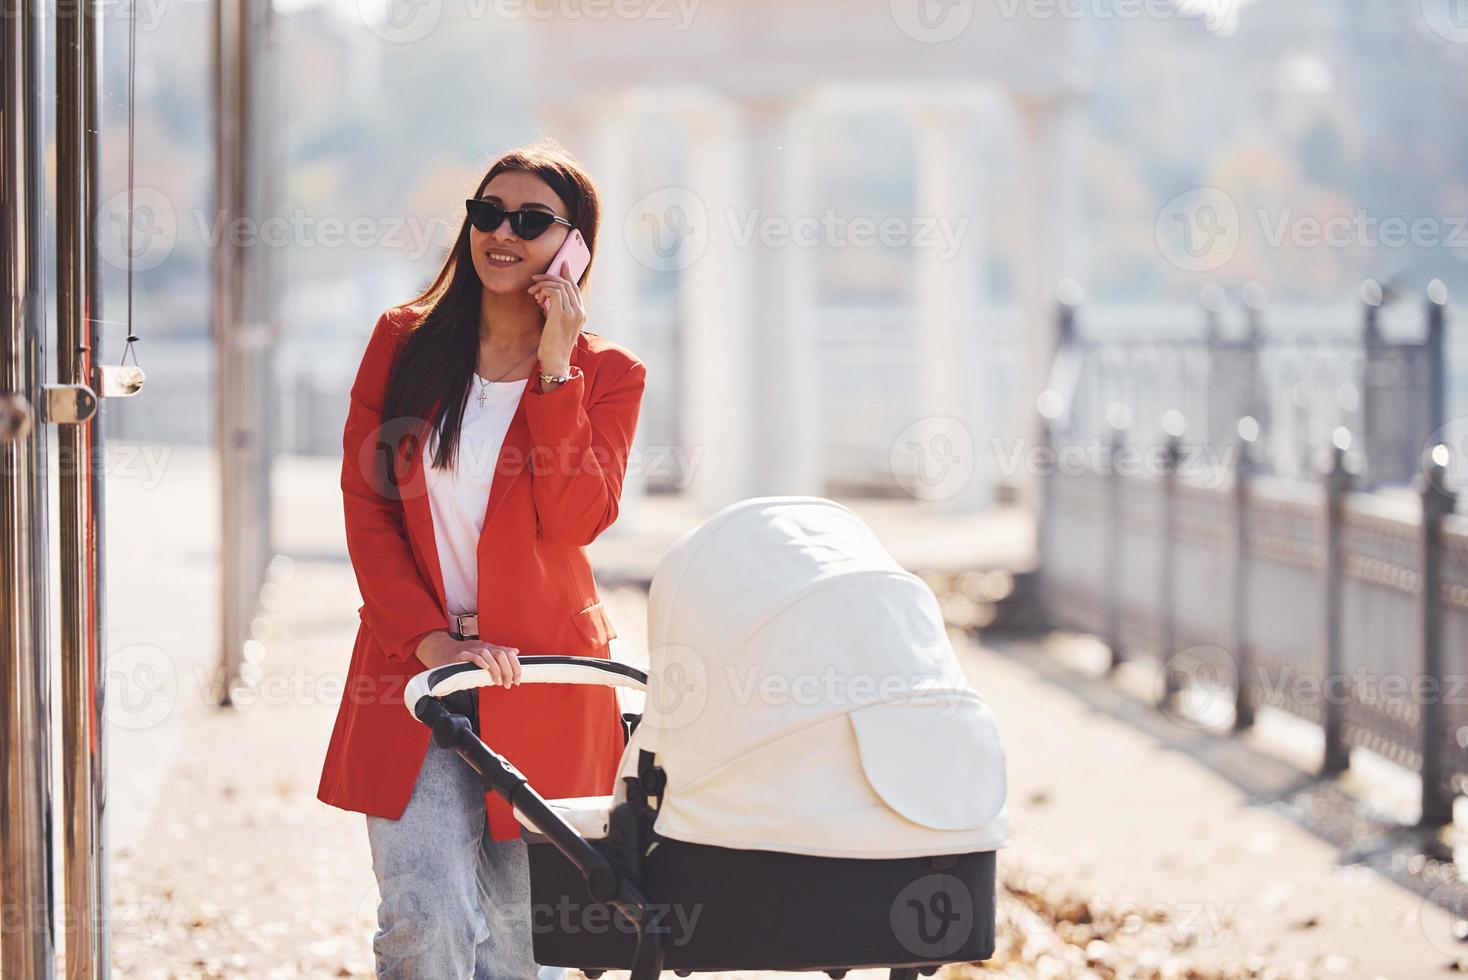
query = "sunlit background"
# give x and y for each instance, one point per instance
(951, 263)
(1326, 132)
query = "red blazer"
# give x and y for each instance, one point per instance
(556, 487)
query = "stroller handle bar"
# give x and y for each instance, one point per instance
(435, 682)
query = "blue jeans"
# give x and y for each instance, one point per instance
(453, 905)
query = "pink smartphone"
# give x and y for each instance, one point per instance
(574, 251)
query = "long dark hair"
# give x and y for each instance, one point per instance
(434, 369)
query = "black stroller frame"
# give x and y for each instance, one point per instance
(940, 909)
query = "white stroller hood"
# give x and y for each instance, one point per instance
(803, 696)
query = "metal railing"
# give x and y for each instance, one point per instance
(1381, 378)
(1332, 597)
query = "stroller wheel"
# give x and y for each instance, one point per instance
(683, 973)
(928, 971)
(592, 974)
(835, 974)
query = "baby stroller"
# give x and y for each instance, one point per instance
(811, 785)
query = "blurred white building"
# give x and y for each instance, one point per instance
(771, 373)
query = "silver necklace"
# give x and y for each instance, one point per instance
(484, 385)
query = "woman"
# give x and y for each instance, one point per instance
(508, 430)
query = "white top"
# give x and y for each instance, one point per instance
(804, 697)
(459, 496)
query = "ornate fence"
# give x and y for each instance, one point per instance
(1295, 371)
(1332, 597)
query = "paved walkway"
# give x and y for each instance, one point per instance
(1129, 858)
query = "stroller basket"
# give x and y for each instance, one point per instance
(831, 834)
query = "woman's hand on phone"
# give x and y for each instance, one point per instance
(438, 649)
(564, 318)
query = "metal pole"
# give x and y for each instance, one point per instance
(1173, 677)
(1045, 523)
(231, 39)
(1438, 502)
(1053, 426)
(1244, 469)
(1437, 384)
(1257, 407)
(243, 330)
(94, 677)
(1114, 454)
(1373, 429)
(28, 947)
(79, 488)
(1337, 756)
(263, 404)
(222, 71)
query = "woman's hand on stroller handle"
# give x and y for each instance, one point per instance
(536, 669)
(501, 663)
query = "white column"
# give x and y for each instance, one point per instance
(602, 134)
(785, 400)
(717, 406)
(950, 441)
(1052, 243)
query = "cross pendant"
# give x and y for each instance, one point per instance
(481, 398)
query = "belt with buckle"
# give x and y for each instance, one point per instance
(466, 625)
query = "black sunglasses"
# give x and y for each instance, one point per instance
(527, 223)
